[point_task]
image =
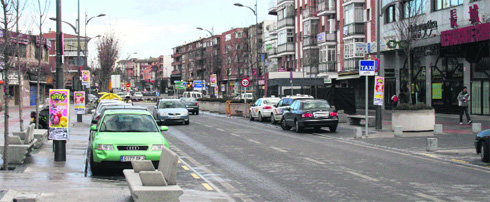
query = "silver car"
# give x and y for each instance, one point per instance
(171, 111)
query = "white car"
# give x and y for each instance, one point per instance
(262, 108)
(284, 103)
(138, 96)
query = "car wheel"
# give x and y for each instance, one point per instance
(333, 129)
(284, 126)
(260, 117)
(484, 151)
(273, 120)
(186, 122)
(297, 128)
(197, 112)
(94, 167)
(251, 117)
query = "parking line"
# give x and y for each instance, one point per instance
(363, 176)
(425, 196)
(253, 141)
(234, 134)
(278, 149)
(185, 167)
(195, 176)
(206, 185)
(314, 161)
(429, 155)
(220, 129)
(459, 161)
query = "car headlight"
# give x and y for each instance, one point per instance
(185, 113)
(158, 147)
(162, 113)
(105, 147)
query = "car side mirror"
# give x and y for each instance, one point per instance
(93, 127)
(163, 128)
(94, 121)
(288, 108)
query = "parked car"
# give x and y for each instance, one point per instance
(171, 111)
(284, 103)
(105, 104)
(43, 117)
(262, 108)
(123, 136)
(191, 104)
(248, 96)
(482, 145)
(138, 96)
(116, 107)
(191, 94)
(309, 113)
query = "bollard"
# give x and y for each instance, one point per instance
(358, 133)
(438, 129)
(476, 127)
(431, 144)
(398, 130)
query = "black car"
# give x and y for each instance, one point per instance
(309, 113)
(43, 117)
(482, 145)
(191, 104)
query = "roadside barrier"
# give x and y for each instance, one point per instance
(237, 109)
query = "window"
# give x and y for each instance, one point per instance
(390, 14)
(443, 4)
(238, 35)
(413, 7)
(227, 37)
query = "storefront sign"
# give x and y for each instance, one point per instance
(437, 91)
(86, 78)
(79, 97)
(59, 114)
(379, 89)
(320, 37)
(261, 82)
(470, 34)
(423, 31)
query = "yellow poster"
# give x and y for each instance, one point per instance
(437, 91)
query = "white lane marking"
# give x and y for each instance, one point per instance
(425, 196)
(314, 161)
(278, 149)
(253, 141)
(234, 134)
(219, 129)
(363, 176)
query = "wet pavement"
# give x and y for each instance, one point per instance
(66, 181)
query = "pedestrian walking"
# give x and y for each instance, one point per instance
(394, 101)
(463, 100)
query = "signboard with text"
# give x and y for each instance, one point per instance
(367, 68)
(379, 89)
(86, 78)
(59, 114)
(79, 101)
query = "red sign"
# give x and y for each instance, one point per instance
(128, 85)
(474, 33)
(474, 19)
(245, 82)
(453, 18)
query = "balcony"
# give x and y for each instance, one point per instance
(272, 8)
(329, 38)
(176, 55)
(271, 52)
(281, 2)
(347, 2)
(310, 57)
(329, 66)
(285, 49)
(354, 29)
(175, 63)
(286, 22)
(310, 13)
(309, 42)
(326, 7)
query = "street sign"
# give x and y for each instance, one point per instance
(367, 68)
(198, 84)
(245, 82)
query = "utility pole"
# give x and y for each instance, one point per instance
(379, 115)
(79, 66)
(59, 145)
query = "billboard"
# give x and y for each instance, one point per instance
(86, 78)
(79, 100)
(59, 114)
(379, 89)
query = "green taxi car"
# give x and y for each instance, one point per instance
(122, 136)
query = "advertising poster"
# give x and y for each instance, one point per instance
(79, 99)
(379, 89)
(86, 78)
(212, 80)
(59, 114)
(437, 91)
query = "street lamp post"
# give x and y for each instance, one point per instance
(59, 145)
(379, 115)
(211, 35)
(86, 40)
(254, 11)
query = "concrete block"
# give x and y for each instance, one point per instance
(150, 193)
(398, 130)
(476, 127)
(15, 140)
(168, 165)
(358, 132)
(152, 178)
(142, 165)
(21, 135)
(431, 144)
(25, 198)
(438, 129)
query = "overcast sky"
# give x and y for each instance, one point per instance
(152, 27)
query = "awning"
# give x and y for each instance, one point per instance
(296, 82)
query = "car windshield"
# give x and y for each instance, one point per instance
(128, 123)
(170, 104)
(321, 105)
(188, 99)
(270, 101)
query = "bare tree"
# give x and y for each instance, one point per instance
(6, 26)
(42, 18)
(409, 16)
(108, 51)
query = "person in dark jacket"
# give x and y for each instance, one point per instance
(463, 101)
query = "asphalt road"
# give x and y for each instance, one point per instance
(261, 162)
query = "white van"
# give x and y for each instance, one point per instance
(196, 95)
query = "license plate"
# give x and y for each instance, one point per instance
(132, 158)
